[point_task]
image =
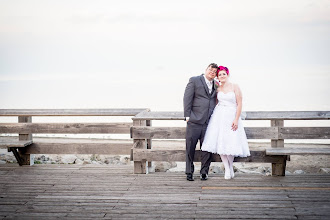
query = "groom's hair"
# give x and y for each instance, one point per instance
(213, 65)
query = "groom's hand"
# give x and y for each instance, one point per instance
(186, 119)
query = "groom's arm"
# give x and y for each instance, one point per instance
(188, 97)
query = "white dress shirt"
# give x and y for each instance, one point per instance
(209, 84)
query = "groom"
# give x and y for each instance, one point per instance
(199, 101)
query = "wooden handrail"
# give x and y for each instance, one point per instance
(249, 115)
(72, 112)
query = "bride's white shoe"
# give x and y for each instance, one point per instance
(227, 175)
(232, 173)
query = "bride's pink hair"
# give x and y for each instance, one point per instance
(223, 68)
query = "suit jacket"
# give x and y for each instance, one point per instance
(198, 103)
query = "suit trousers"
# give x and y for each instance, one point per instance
(195, 132)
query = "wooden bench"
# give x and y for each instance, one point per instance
(13, 146)
(24, 147)
(143, 133)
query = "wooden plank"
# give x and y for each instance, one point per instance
(5, 143)
(24, 136)
(177, 214)
(261, 132)
(193, 215)
(78, 192)
(66, 128)
(159, 115)
(277, 124)
(158, 132)
(63, 215)
(288, 115)
(298, 151)
(304, 133)
(79, 148)
(180, 155)
(255, 115)
(72, 112)
(264, 188)
(180, 132)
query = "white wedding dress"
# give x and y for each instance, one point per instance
(219, 137)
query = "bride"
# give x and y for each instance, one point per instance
(225, 133)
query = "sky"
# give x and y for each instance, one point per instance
(115, 54)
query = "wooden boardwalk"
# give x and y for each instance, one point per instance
(114, 192)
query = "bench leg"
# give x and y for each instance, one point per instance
(140, 167)
(27, 159)
(17, 155)
(21, 157)
(278, 169)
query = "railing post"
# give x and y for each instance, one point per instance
(278, 169)
(27, 159)
(139, 166)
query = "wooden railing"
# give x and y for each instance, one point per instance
(25, 128)
(143, 133)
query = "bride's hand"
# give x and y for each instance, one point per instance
(234, 126)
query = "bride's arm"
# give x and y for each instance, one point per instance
(238, 95)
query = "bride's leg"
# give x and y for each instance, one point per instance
(231, 167)
(226, 165)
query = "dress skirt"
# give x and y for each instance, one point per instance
(220, 138)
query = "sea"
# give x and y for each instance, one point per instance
(162, 92)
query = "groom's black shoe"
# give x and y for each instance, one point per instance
(190, 177)
(204, 177)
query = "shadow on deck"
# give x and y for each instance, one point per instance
(114, 192)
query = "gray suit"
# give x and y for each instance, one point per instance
(198, 105)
